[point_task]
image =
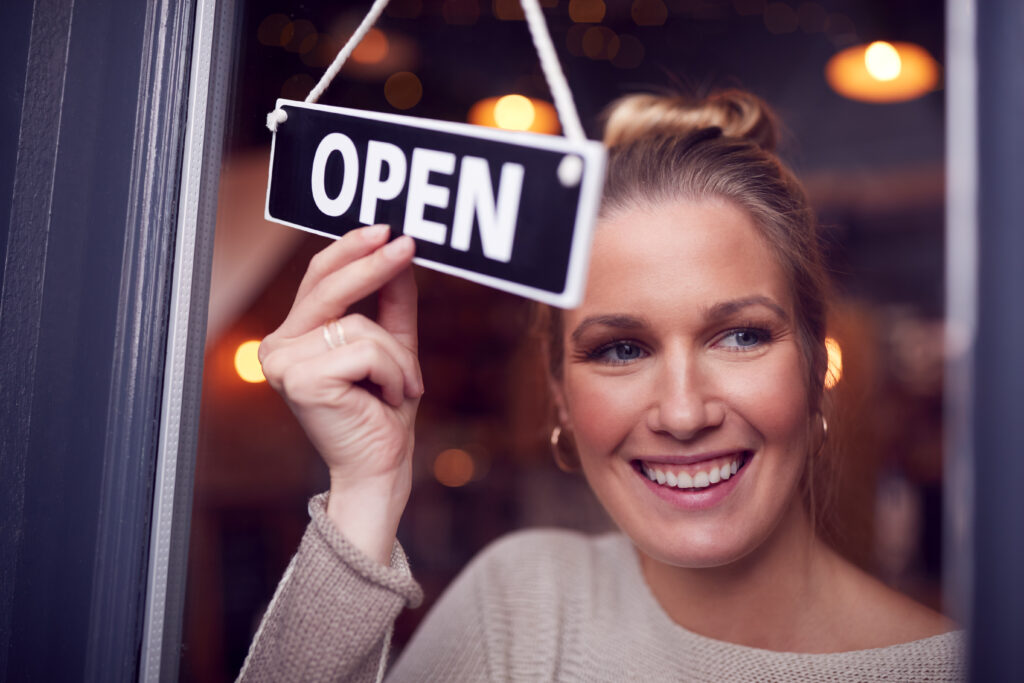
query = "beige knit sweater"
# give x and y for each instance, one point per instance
(535, 606)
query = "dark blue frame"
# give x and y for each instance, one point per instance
(997, 364)
(89, 216)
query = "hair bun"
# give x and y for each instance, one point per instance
(738, 114)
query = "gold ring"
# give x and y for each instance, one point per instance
(333, 334)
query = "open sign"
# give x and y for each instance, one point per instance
(514, 211)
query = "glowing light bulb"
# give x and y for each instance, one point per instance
(514, 112)
(835, 363)
(882, 61)
(542, 116)
(247, 362)
(883, 72)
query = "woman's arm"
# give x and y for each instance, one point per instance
(356, 401)
(354, 384)
(331, 616)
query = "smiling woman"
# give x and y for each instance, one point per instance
(707, 375)
(688, 388)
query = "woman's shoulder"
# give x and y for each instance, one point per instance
(870, 614)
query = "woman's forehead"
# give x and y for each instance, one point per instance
(693, 253)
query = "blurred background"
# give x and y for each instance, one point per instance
(858, 85)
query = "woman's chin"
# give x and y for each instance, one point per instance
(693, 553)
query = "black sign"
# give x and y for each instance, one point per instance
(514, 211)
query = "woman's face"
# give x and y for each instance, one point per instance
(683, 383)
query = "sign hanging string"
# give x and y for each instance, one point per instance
(538, 27)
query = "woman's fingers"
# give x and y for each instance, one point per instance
(353, 327)
(354, 244)
(325, 379)
(397, 308)
(335, 292)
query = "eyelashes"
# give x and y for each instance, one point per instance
(617, 352)
(744, 338)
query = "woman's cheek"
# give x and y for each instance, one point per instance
(771, 395)
(602, 409)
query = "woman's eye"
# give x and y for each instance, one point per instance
(745, 338)
(619, 352)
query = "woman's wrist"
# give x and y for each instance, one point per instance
(367, 512)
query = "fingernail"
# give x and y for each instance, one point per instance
(399, 248)
(375, 232)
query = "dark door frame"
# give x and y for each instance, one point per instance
(94, 105)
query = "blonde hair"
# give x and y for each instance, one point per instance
(736, 113)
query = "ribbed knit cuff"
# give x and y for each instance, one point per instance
(333, 611)
(397, 578)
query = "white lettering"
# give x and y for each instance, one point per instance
(375, 187)
(335, 142)
(422, 194)
(497, 220)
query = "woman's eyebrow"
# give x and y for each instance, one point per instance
(622, 322)
(725, 309)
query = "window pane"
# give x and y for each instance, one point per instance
(874, 173)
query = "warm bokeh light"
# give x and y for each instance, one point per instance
(835, 363)
(882, 61)
(454, 467)
(892, 72)
(507, 10)
(247, 362)
(373, 48)
(600, 42)
(586, 11)
(513, 112)
(403, 90)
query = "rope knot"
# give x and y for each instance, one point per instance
(276, 118)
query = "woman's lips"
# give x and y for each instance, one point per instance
(698, 475)
(697, 486)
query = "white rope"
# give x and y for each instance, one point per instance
(559, 88)
(278, 116)
(549, 64)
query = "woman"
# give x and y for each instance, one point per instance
(689, 392)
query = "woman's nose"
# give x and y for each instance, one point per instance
(684, 402)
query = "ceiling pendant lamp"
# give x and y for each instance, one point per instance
(882, 72)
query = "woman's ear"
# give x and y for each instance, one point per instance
(558, 397)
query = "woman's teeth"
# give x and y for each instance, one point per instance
(708, 474)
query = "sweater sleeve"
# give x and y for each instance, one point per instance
(332, 614)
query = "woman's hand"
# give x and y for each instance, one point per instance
(357, 401)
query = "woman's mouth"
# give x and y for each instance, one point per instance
(696, 476)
